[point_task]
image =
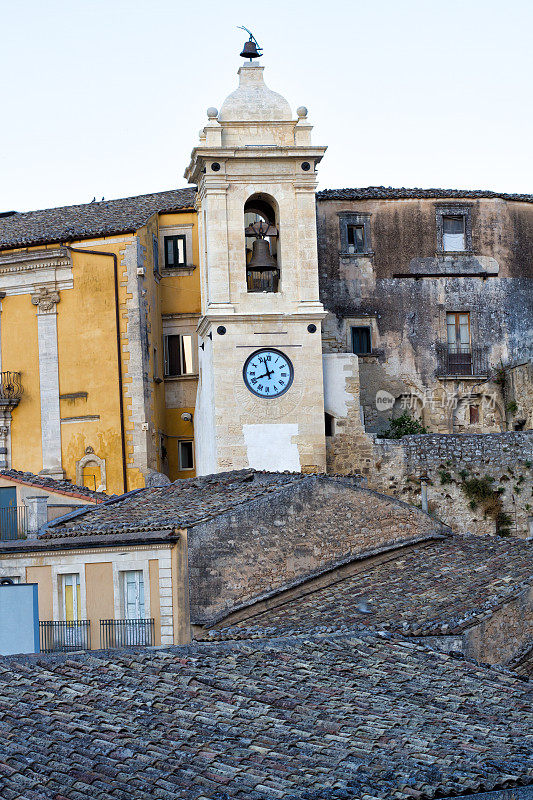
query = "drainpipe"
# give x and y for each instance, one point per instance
(119, 349)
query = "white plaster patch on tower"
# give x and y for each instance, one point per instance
(272, 447)
(337, 368)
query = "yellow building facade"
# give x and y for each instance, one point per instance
(99, 307)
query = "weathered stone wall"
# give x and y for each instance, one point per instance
(519, 395)
(449, 461)
(296, 532)
(501, 636)
(407, 315)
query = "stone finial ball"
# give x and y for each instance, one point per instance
(212, 112)
(301, 111)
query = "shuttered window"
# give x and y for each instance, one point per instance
(179, 354)
(175, 255)
(356, 238)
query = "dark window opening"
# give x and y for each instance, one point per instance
(474, 415)
(329, 424)
(361, 341)
(175, 255)
(178, 355)
(186, 455)
(356, 238)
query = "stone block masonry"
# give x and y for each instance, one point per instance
(279, 539)
(449, 461)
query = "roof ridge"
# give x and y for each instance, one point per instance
(95, 203)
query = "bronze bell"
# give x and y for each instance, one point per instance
(250, 50)
(261, 259)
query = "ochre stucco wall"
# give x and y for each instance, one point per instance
(87, 353)
(155, 602)
(99, 592)
(20, 354)
(43, 577)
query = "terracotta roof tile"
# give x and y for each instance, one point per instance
(61, 486)
(390, 193)
(435, 587)
(177, 505)
(89, 220)
(323, 718)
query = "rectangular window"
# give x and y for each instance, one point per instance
(453, 233)
(133, 594)
(458, 331)
(179, 354)
(361, 341)
(175, 255)
(155, 249)
(156, 364)
(356, 238)
(71, 597)
(474, 415)
(458, 342)
(186, 455)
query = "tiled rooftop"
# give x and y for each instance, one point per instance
(323, 718)
(390, 193)
(63, 487)
(437, 587)
(176, 505)
(87, 221)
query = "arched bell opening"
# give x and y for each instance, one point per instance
(261, 232)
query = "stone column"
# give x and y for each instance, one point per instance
(37, 514)
(46, 300)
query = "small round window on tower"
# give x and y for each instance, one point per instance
(306, 166)
(215, 166)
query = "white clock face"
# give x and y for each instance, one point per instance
(268, 373)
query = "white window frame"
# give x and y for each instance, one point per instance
(139, 573)
(76, 609)
(180, 466)
(176, 230)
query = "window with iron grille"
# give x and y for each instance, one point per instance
(175, 251)
(361, 340)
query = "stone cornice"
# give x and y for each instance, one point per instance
(30, 260)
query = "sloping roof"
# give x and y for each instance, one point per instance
(51, 485)
(323, 718)
(89, 220)
(390, 193)
(177, 505)
(436, 587)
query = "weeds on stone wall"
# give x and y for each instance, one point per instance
(481, 492)
(404, 425)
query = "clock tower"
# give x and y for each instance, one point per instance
(260, 397)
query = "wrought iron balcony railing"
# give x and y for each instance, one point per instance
(262, 280)
(10, 387)
(126, 633)
(461, 360)
(65, 637)
(13, 523)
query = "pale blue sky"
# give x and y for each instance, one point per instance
(106, 97)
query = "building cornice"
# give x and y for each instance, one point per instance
(28, 260)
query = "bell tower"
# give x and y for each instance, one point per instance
(260, 396)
